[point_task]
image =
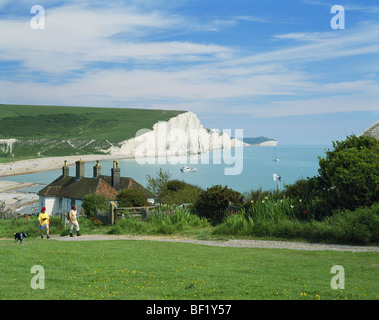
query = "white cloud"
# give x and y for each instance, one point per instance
(154, 73)
(324, 105)
(322, 46)
(347, 6)
(76, 35)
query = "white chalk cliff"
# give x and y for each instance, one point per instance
(269, 143)
(181, 135)
(6, 145)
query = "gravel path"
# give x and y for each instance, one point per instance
(228, 243)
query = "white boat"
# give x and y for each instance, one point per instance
(275, 159)
(188, 169)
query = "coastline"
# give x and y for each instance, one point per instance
(15, 200)
(50, 163)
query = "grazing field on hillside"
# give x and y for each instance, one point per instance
(59, 131)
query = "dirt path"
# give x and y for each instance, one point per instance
(229, 243)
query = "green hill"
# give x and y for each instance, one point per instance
(59, 131)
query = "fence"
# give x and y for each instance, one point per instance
(111, 216)
(140, 213)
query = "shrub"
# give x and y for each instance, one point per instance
(179, 192)
(93, 202)
(301, 189)
(175, 185)
(213, 202)
(131, 198)
(348, 175)
(96, 223)
(358, 226)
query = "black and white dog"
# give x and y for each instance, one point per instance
(20, 236)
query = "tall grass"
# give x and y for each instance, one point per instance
(285, 208)
(166, 220)
(360, 226)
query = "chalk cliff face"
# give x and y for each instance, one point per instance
(183, 134)
(269, 143)
(372, 131)
(6, 145)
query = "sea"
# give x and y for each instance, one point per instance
(242, 169)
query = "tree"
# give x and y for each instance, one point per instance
(93, 202)
(157, 186)
(131, 198)
(213, 202)
(349, 174)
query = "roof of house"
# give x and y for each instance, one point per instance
(70, 187)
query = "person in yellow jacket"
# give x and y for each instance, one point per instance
(44, 222)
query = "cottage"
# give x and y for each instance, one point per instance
(60, 195)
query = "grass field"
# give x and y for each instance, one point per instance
(148, 270)
(41, 129)
(113, 124)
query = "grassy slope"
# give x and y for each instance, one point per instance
(113, 124)
(159, 270)
(42, 128)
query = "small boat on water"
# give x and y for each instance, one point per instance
(188, 169)
(275, 159)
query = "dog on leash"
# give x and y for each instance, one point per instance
(20, 236)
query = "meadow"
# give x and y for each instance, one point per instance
(149, 270)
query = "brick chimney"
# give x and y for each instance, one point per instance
(115, 176)
(65, 170)
(96, 170)
(79, 169)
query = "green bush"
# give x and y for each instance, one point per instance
(213, 202)
(93, 202)
(175, 185)
(358, 226)
(301, 189)
(348, 175)
(131, 198)
(179, 192)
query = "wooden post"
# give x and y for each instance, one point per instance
(113, 212)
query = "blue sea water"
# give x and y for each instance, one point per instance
(253, 168)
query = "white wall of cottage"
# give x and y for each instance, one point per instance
(57, 205)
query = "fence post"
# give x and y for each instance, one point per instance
(64, 217)
(145, 213)
(112, 212)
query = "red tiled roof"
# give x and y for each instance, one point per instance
(107, 190)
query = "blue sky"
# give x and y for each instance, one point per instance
(270, 67)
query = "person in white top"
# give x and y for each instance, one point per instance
(74, 221)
